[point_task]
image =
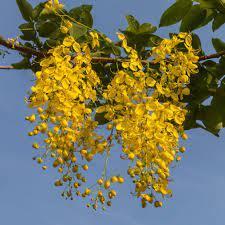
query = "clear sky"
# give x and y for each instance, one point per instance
(27, 195)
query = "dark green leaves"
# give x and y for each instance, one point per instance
(100, 118)
(153, 41)
(214, 116)
(82, 14)
(193, 19)
(209, 4)
(221, 5)
(47, 28)
(135, 28)
(109, 48)
(218, 44)
(175, 13)
(195, 16)
(28, 31)
(37, 10)
(133, 24)
(212, 119)
(25, 9)
(210, 14)
(139, 35)
(23, 64)
(213, 4)
(196, 43)
(146, 28)
(78, 31)
(218, 21)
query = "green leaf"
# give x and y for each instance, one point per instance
(193, 19)
(222, 62)
(212, 119)
(199, 86)
(196, 42)
(218, 101)
(82, 14)
(153, 41)
(221, 5)
(51, 43)
(218, 44)
(25, 9)
(138, 36)
(87, 8)
(223, 85)
(213, 4)
(115, 50)
(100, 118)
(110, 48)
(47, 28)
(147, 28)
(23, 64)
(78, 31)
(210, 14)
(218, 21)
(175, 13)
(37, 10)
(133, 24)
(216, 69)
(191, 117)
(209, 4)
(28, 31)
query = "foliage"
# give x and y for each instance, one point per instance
(204, 86)
(147, 94)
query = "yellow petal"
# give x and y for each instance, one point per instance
(119, 126)
(121, 36)
(68, 41)
(76, 47)
(140, 110)
(101, 109)
(186, 91)
(150, 82)
(65, 83)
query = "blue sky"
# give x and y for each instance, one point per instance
(27, 195)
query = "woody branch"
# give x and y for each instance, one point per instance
(30, 51)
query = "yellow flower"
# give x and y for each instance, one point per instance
(76, 47)
(64, 29)
(95, 39)
(144, 106)
(121, 36)
(68, 41)
(140, 110)
(150, 82)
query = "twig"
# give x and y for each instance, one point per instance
(212, 56)
(18, 47)
(31, 51)
(6, 67)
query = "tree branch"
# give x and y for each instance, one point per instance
(212, 56)
(6, 67)
(17, 47)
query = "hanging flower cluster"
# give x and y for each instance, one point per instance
(143, 107)
(146, 109)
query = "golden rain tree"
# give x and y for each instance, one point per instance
(145, 91)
